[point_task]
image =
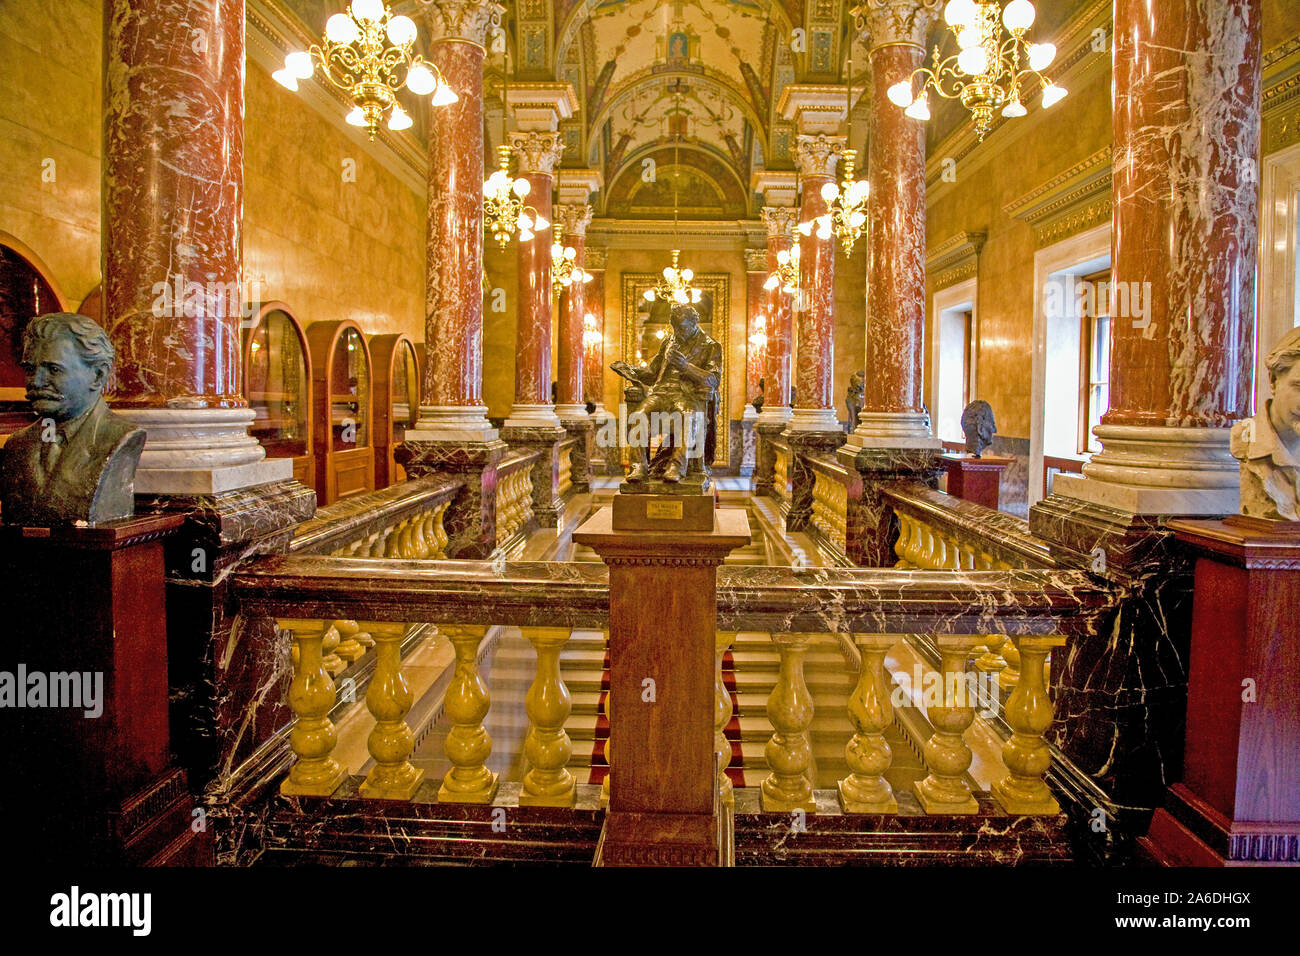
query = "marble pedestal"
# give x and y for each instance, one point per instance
(581, 427)
(548, 509)
(802, 477)
(975, 479)
(93, 778)
(1239, 798)
(471, 518)
(872, 528)
(662, 623)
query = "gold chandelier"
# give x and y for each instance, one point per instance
(787, 271)
(675, 285)
(986, 74)
(504, 211)
(364, 48)
(846, 202)
(564, 268)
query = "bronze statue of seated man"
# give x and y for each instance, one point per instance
(679, 390)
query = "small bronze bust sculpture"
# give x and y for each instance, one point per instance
(761, 396)
(854, 399)
(978, 425)
(676, 393)
(1268, 445)
(77, 462)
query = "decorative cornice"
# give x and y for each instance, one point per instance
(954, 260)
(816, 155)
(724, 235)
(468, 20)
(1077, 199)
(780, 221)
(573, 219)
(536, 152)
(895, 22)
(1280, 108)
(755, 260)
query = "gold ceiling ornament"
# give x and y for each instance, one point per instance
(987, 73)
(504, 211)
(363, 52)
(675, 285)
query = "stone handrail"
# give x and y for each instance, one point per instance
(964, 533)
(404, 519)
(515, 495)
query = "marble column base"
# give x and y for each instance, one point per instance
(814, 420)
(201, 451)
(460, 424)
(872, 526)
(1121, 692)
(1165, 471)
(774, 415)
(582, 428)
(802, 477)
(893, 430)
(471, 518)
(548, 509)
(531, 416)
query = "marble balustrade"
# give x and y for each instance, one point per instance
(515, 499)
(781, 471)
(564, 483)
(1035, 610)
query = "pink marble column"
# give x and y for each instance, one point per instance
(895, 235)
(1184, 248)
(172, 201)
(572, 309)
(814, 405)
(452, 388)
(756, 326)
(780, 222)
(538, 152)
(593, 376)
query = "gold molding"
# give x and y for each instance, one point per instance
(955, 259)
(1280, 99)
(1075, 200)
(719, 283)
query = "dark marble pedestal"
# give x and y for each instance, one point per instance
(471, 518)
(580, 471)
(872, 528)
(662, 623)
(1239, 798)
(548, 509)
(765, 456)
(85, 727)
(802, 477)
(975, 479)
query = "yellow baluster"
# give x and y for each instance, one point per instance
(789, 752)
(389, 699)
(1029, 712)
(548, 783)
(419, 543)
(722, 711)
(609, 760)
(903, 544)
(349, 648)
(311, 697)
(946, 755)
(867, 753)
(439, 531)
(332, 662)
(468, 744)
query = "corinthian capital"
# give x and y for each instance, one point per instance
(461, 19)
(816, 154)
(780, 221)
(886, 22)
(595, 257)
(538, 152)
(573, 219)
(755, 260)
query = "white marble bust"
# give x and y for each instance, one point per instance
(1268, 445)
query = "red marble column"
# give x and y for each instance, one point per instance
(1187, 126)
(756, 326)
(572, 309)
(538, 153)
(172, 201)
(780, 332)
(814, 405)
(895, 235)
(593, 376)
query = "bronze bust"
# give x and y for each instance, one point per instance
(77, 462)
(1268, 445)
(680, 387)
(855, 397)
(979, 426)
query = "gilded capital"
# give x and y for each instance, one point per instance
(755, 260)
(461, 19)
(537, 152)
(573, 218)
(891, 22)
(595, 257)
(780, 221)
(817, 154)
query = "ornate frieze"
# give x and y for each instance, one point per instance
(537, 152)
(1077, 199)
(890, 22)
(594, 257)
(461, 19)
(755, 260)
(955, 260)
(1281, 96)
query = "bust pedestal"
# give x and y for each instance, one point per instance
(662, 623)
(1239, 800)
(974, 479)
(88, 603)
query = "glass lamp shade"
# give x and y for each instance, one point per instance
(1041, 55)
(367, 10)
(1019, 15)
(959, 13)
(341, 28)
(771, 282)
(444, 95)
(400, 119)
(356, 117)
(1013, 109)
(401, 30)
(299, 64)
(1052, 94)
(420, 80)
(900, 94)
(973, 60)
(286, 79)
(830, 191)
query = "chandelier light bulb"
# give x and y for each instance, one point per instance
(525, 234)
(401, 30)
(973, 60)
(806, 228)
(341, 28)
(681, 296)
(299, 64)
(794, 251)
(959, 13)
(1019, 15)
(830, 191)
(420, 80)
(1013, 109)
(286, 79)
(668, 273)
(770, 284)
(696, 295)
(1041, 55)
(900, 94)
(783, 256)
(857, 219)
(1053, 94)
(367, 10)
(968, 37)
(444, 95)
(919, 110)
(525, 221)
(400, 119)
(648, 295)
(570, 253)
(542, 222)
(521, 187)
(687, 275)
(356, 117)
(586, 277)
